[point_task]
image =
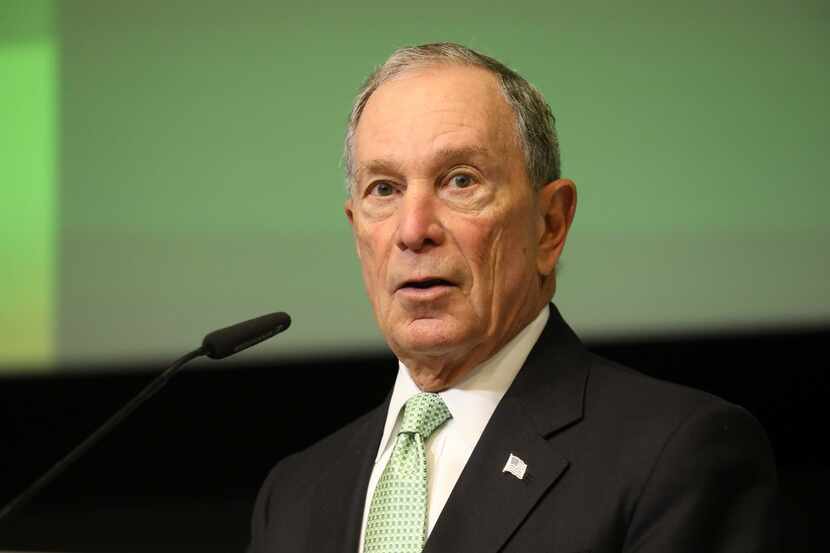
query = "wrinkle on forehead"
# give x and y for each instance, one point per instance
(464, 107)
(442, 156)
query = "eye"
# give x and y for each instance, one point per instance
(461, 181)
(382, 189)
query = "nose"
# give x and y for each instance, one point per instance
(419, 227)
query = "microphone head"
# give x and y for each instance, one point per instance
(232, 339)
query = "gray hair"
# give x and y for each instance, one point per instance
(534, 118)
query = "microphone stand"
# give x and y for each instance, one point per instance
(142, 396)
(216, 345)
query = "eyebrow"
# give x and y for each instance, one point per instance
(442, 157)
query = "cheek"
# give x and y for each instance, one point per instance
(373, 255)
(479, 241)
(368, 260)
(502, 256)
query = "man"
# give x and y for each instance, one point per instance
(502, 432)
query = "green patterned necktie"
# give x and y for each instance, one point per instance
(397, 519)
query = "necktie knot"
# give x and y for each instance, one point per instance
(423, 413)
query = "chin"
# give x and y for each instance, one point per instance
(431, 337)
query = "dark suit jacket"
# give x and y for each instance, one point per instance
(616, 462)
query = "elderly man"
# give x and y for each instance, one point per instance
(502, 433)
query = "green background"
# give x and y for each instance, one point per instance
(172, 167)
(28, 184)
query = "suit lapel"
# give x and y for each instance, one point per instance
(338, 498)
(487, 505)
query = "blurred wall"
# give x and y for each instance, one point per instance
(195, 147)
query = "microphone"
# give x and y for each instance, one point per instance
(233, 339)
(216, 345)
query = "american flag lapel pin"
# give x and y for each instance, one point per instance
(515, 466)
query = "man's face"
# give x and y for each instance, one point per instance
(447, 227)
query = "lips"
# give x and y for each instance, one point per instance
(421, 292)
(426, 283)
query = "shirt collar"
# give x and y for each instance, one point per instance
(473, 400)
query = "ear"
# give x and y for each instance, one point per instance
(557, 205)
(348, 208)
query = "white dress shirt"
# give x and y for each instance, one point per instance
(471, 404)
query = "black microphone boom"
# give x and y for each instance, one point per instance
(216, 345)
(233, 339)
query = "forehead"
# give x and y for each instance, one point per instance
(436, 109)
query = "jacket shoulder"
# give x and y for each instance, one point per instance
(617, 391)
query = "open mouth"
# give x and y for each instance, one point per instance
(426, 283)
